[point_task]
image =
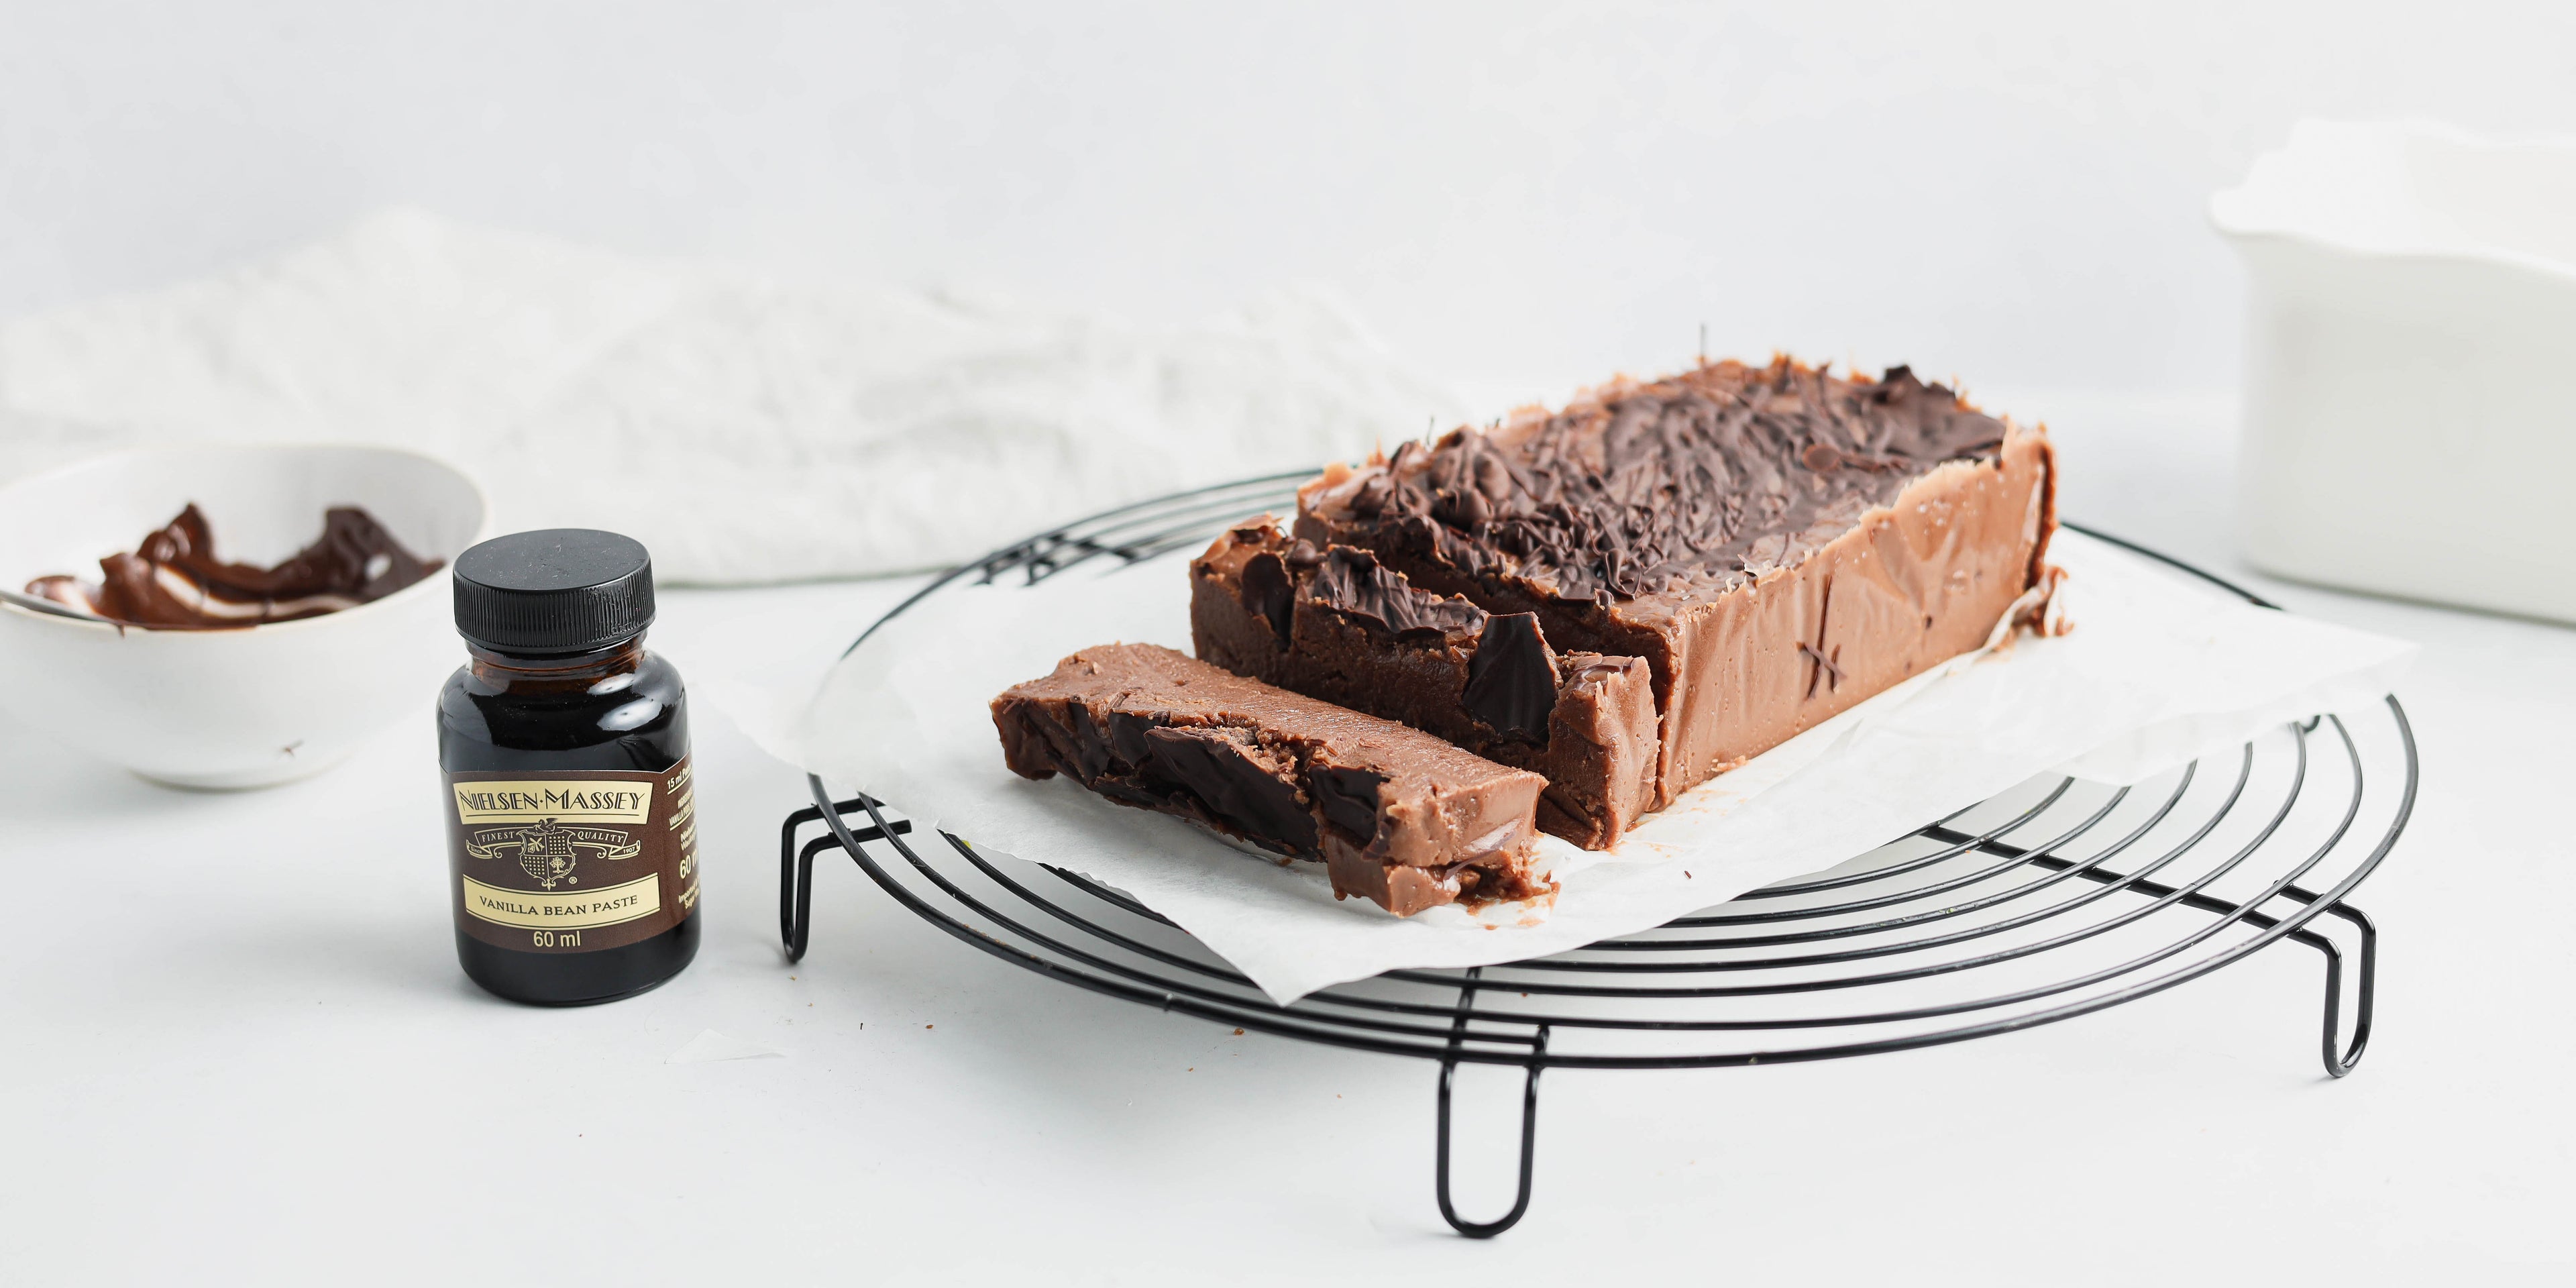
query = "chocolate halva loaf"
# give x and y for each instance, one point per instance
(1776, 543)
(1399, 817)
(1337, 624)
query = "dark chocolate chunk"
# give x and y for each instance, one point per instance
(1349, 799)
(1225, 778)
(1266, 590)
(1511, 681)
(1127, 732)
(1355, 584)
(1089, 750)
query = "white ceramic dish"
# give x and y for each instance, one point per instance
(230, 708)
(2408, 424)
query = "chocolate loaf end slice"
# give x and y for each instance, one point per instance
(1777, 543)
(1401, 818)
(1336, 624)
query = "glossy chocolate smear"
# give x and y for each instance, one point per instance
(1354, 584)
(1349, 798)
(174, 578)
(1511, 681)
(1714, 475)
(1234, 787)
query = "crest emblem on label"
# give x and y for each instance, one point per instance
(547, 850)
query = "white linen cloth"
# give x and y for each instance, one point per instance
(2156, 672)
(745, 430)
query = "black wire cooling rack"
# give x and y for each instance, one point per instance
(2057, 899)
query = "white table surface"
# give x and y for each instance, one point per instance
(234, 1045)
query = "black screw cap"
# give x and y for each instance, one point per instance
(555, 590)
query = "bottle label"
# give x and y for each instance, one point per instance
(574, 861)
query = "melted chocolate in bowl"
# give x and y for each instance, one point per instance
(174, 580)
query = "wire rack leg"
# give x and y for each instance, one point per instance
(2364, 993)
(1529, 1125)
(796, 871)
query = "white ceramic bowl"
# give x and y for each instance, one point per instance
(230, 708)
(2413, 309)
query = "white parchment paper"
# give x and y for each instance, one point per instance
(2157, 671)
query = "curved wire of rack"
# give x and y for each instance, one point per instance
(2058, 899)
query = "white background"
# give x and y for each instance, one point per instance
(233, 1043)
(1519, 196)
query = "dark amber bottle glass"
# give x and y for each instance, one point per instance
(546, 753)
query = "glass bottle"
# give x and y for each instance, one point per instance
(571, 820)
